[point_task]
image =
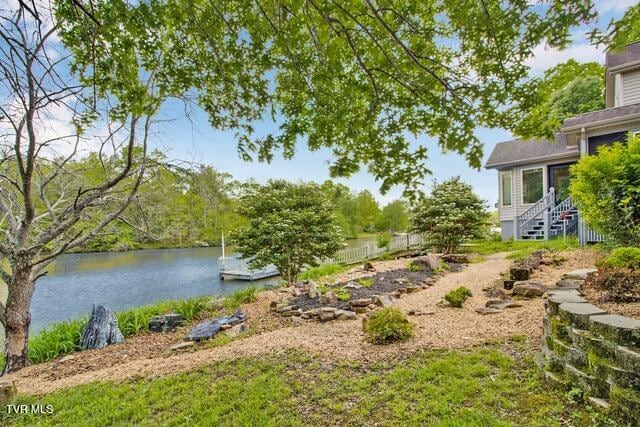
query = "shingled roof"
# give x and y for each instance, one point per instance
(606, 115)
(518, 151)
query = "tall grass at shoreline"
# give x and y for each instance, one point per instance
(63, 338)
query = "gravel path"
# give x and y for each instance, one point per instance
(446, 328)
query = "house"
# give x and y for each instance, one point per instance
(533, 175)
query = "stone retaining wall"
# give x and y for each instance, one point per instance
(585, 347)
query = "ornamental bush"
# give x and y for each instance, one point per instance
(457, 297)
(606, 189)
(626, 257)
(387, 325)
(450, 215)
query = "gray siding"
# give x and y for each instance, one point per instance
(507, 229)
(631, 87)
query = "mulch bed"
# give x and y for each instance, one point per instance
(383, 283)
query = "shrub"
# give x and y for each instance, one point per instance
(343, 294)
(617, 284)
(288, 225)
(384, 240)
(233, 301)
(387, 325)
(365, 283)
(605, 188)
(626, 257)
(458, 296)
(190, 308)
(56, 340)
(452, 214)
(414, 266)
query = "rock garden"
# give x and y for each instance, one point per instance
(344, 300)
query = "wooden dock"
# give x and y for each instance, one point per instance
(236, 268)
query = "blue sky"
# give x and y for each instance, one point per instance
(194, 140)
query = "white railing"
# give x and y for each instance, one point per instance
(535, 212)
(587, 235)
(344, 256)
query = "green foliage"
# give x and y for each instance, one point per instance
(620, 32)
(626, 257)
(289, 225)
(458, 296)
(566, 90)
(453, 71)
(413, 266)
(450, 215)
(239, 297)
(57, 340)
(365, 283)
(384, 240)
(387, 325)
(606, 189)
(394, 217)
(343, 294)
(322, 271)
(522, 248)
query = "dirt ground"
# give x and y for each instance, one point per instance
(447, 327)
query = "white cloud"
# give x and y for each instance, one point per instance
(545, 57)
(613, 6)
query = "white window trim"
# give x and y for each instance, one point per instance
(522, 171)
(510, 174)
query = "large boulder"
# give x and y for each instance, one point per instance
(456, 258)
(528, 289)
(101, 329)
(429, 262)
(167, 323)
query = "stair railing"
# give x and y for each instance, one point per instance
(535, 212)
(559, 213)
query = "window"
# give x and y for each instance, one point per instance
(532, 186)
(506, 189)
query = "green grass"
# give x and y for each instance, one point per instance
(365, 283)
(322, 271)
(521, 247)
(480, 387)
(239, 297)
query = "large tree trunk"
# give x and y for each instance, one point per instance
(18, 318)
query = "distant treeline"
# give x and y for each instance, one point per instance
(193, 206)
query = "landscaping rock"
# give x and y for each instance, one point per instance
(325, 316)
(8, 392)
(345, 315)
(621, 329)
(528, 289)
(328, 298)
(569, 284)
(456, 258)
(421, 312)
(412, 289)
(209, 328)
(182, 345)
(313, 290)
(555, 300)
(430, 281)
(166, 323)
(487, 310)
(384, 300)
(236, 330)
(577, 314)
(352, 285)
(362, 302)
(429, 262)
(400, 281)
(502, 304)
(519, 272)
(101, 330)
(368, 267)
(580, 274)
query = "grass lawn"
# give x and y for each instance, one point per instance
(480, 387)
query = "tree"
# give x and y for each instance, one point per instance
(360, 77)
(290, 226)
(367, 211)
(394, 217)
(606, 189)
(566, 90)
(451, 214)
(620, 32)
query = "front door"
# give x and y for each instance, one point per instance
(559, 180)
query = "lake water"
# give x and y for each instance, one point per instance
(122, 280)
